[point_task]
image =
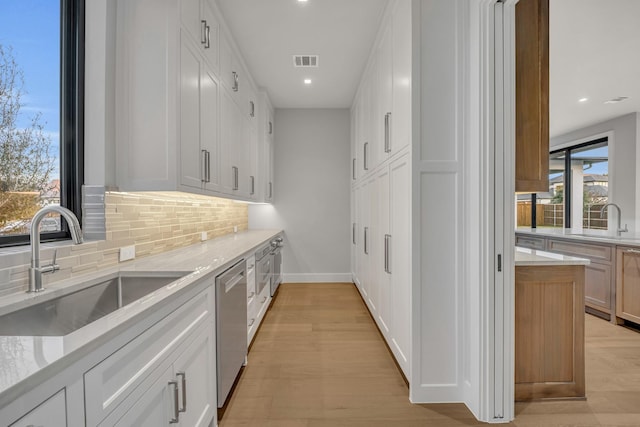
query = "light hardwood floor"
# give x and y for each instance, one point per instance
(318, 360)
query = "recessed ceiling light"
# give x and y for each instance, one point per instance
(307, 81)
(302, 1)
(583, 99)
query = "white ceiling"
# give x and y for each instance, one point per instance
(270, 32)
(595, 54)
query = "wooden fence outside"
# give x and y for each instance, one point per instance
(552, 215)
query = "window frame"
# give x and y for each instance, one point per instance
(72, 45)
(567, 178)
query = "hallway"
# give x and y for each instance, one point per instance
(318, 360)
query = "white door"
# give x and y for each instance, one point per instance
(229, 141)
(382, 120)
(156, 408)
(401, 117)
(209, 137)
(191, 157)
(399, 260)
(195, 371)
(380, 267)
(373, 246)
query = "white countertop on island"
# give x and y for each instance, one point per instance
(533, 257)
(583, 235)
(22, 364)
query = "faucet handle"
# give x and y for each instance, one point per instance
(55, 257)
(53, 267)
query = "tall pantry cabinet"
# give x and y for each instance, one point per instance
(381, 182)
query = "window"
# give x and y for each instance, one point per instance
(578, 189)
(41, 114)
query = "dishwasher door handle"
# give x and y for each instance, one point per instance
(231, 283)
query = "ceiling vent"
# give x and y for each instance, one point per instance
(616, 100)
(305, 61)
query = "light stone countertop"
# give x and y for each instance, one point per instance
(583, 235)
(26, 361)
(533, 257)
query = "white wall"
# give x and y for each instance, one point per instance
(623, 186)
(311, 194)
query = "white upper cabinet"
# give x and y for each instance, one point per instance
(199, 21)
(384, 88)
(401, 109)
(187, 115)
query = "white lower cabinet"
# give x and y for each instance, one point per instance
(175, 357)
(51, 412)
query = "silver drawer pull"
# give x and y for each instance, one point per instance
(251, 295)
(632, 251)
(263, 300)
(176, 409)
(184, 391)
(252, 322)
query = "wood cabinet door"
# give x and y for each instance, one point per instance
(532, 95)
(628, 284)
(597, 286)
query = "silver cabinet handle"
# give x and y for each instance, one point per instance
(251, 295)
(632, 251)
(270, 128)
(366, 240)
(236, 81)
(234, 172)
(353, 169)
(270, 190)
(208, 166)
(176, 409)
(251, 323)
(253, 185)
(353, 233)
(263, 300)
(203, 31)
(252, 109)
(387, 133)
(183, 381)
(204, 165)
(387, 253)
(365, 163)
(208, 35)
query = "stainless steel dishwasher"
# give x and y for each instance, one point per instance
(231, 326)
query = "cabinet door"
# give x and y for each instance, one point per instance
(211, 45)
(195, 373)
(597, 286)
(400, 260)
(401, 118)
(191, 20)
(532, 96)
(373, 245)
(384, 88)
(50, 413)
(209, 139)
(155, 408)
(229, 117)
(628, 284)
(381, 262)
(191, 156)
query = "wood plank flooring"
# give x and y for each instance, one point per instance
(318, 360)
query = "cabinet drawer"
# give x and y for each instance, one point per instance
(113, 380)
(530, 242)
(585, 250)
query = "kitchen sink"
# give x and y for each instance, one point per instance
(62, 315)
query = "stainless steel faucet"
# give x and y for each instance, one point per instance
(619, 230)
(36, 271)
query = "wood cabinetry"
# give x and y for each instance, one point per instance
(599, 274)
(532, 96)
(549, 332)
(628, 284)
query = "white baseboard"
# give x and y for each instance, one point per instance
(317, 278)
